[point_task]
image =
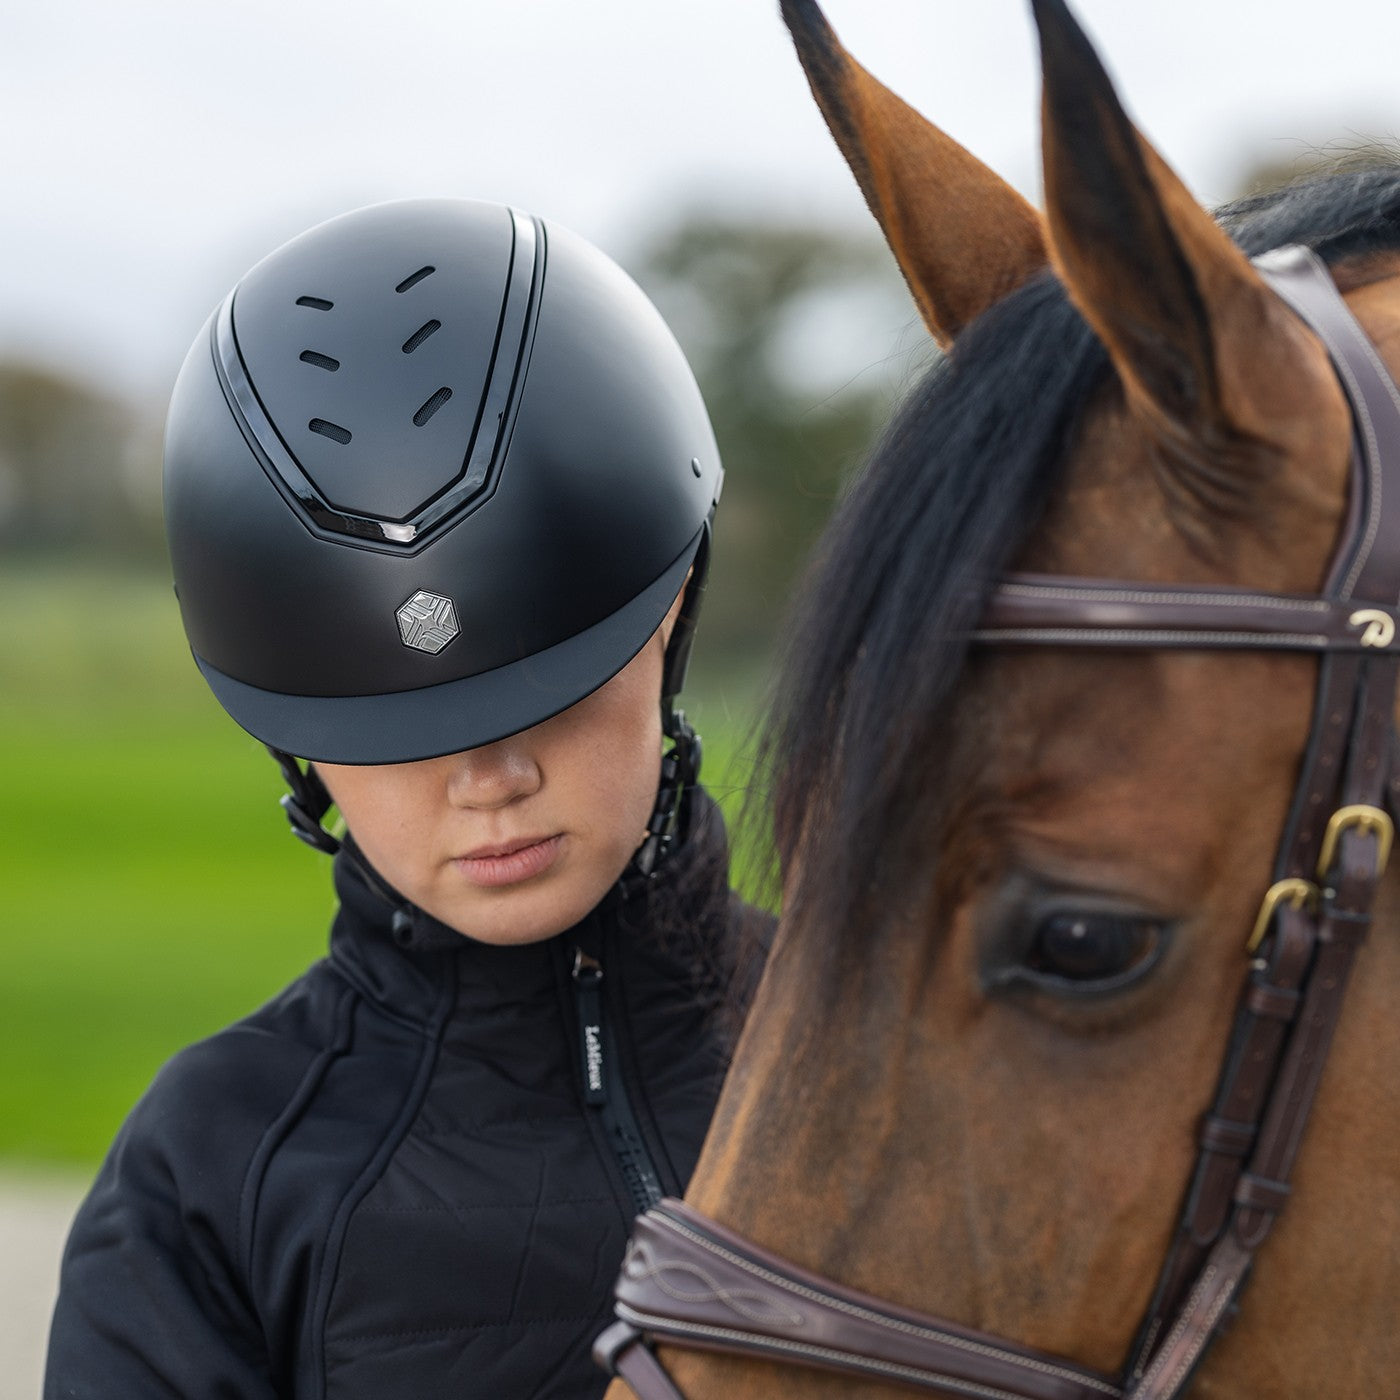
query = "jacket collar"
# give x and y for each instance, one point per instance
(399, 955)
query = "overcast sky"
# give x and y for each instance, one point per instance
(152, 149)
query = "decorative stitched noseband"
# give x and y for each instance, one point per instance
(689, 1282)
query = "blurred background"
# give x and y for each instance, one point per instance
(151, 151)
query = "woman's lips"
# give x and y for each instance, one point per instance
(492, 866)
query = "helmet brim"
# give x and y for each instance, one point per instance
(405, 726)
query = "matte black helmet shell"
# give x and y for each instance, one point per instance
(434, 472)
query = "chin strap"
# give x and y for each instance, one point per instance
(680, 768)
(306, 806)
(307, 802)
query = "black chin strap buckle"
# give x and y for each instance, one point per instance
(680, 768)
(682, 762)
(306, 803)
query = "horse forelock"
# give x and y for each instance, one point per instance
(856, 746)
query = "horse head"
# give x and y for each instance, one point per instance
(1019, 881)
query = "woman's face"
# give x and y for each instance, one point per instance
(516, 841)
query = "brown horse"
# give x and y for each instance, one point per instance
(1019, 881)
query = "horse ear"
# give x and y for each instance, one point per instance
(963, 238)
(1202, 345)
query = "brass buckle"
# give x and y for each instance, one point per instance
(1370, 820)
(1295, 893)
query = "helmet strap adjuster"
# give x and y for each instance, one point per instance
(307, 802)
(680, 768)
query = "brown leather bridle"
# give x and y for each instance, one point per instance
(689, 1282)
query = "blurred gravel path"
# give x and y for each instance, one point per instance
(34, 1214)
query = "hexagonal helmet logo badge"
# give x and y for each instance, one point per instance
(427, 622)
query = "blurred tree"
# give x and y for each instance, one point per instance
(74, 474)
(801, 338)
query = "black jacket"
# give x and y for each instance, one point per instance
(389, 1181)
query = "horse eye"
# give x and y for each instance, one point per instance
(1090, 951)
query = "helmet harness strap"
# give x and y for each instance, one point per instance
(307, 802)
(306, 806)
(680, 767)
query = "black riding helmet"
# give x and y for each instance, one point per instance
(434, 472)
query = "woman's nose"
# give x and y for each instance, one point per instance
(494, 775)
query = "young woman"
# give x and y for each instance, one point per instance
(439, 492)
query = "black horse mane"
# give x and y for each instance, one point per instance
(856, 737)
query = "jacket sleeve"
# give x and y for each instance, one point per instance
(150, 1301)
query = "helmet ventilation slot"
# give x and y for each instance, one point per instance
(315, 303)
(420, 335)
(415, 278)
(331, 430)
(314, 357)
(431, 407)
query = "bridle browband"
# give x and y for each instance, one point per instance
(689, 1282)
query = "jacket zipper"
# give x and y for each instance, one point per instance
(603, 1089)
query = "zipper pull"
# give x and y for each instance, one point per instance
(588, 979)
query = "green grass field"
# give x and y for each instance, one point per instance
(149, 889)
